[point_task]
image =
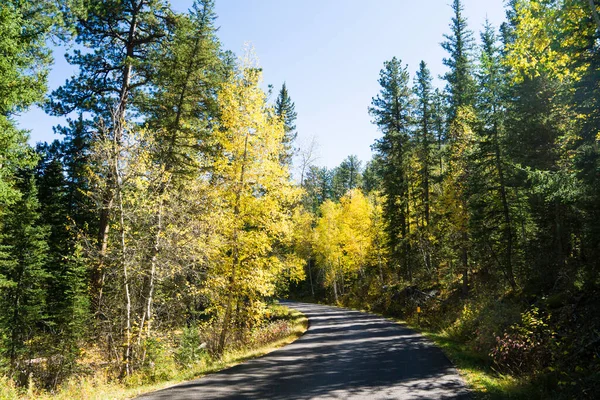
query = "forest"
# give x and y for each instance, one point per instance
(167, 214)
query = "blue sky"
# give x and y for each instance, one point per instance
(329, 52)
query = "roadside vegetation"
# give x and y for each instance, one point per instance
(166, 216)
(173, 357)
(481, 204)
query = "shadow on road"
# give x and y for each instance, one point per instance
(344, 354)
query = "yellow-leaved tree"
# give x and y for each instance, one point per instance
(344, 240)
(255, 206)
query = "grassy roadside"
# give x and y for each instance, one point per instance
(484, 382)
(96, 387)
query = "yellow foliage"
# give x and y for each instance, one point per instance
(548, 36)
(255, 195)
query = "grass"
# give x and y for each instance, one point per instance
(485, 383)
(98, 387)
(482, 380)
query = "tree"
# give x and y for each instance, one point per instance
(423, 136)
(391, 112)
(347, 176)
(24, 29)
(23, 249)
(286, 110)
(461, 91)
(117, 70)
(459, 44)
(307, 155)
(318, 186)
(370, 176)
(66, 300)
(180, 110)
(256, 195)
(493, 211)
(424, 147)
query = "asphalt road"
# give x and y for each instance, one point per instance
(343, 355)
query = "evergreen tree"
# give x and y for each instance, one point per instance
(391, 112)
(493, 217)
(113, 77)
(23, 249)
(25, 26)
(347, 176)
(66, 305)
(286, 110)
(425, 144)
(318, 186)
(181, 111)
(424, 121)
(187, 76)
(587, 102)
(370, 176)
(459, 44)
(461, 95)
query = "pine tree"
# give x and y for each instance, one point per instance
(113, 77)
(424, 121)
(424, 147)
(66, 305)
(461, 95)
(188, 73)
(24, 29)
(370, 176)
(492, 212)
(318, 186)
(286, 110)
(391, 111)
(23, 249)
(459, 44)
(347, 176)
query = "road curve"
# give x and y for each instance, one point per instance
(344, 354)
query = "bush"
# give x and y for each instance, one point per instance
(158, 363)
(270, 333)
(525, 347)
(191, 349)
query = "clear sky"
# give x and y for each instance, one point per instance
(329, 52)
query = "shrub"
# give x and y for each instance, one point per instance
(270, 332)
(191, 349)
(524, 347)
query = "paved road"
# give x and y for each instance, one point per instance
(344, 355)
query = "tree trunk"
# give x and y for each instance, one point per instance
(235, 253)
(312, 289)
(335, 292)
(465, 262)
(506, 212)
(108, 195)
(127, 350)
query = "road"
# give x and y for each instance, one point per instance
(344, 354)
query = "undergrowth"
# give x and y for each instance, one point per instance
(170, 359)
(512, 346)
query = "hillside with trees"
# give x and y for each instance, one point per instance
(481, 205)
(161, 226)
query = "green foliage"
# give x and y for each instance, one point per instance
(23, 254)
(286, 110)
(391, 111)
(459, 44)
(191, 349)
(346, 176)
(524, 347)
(24, 29)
